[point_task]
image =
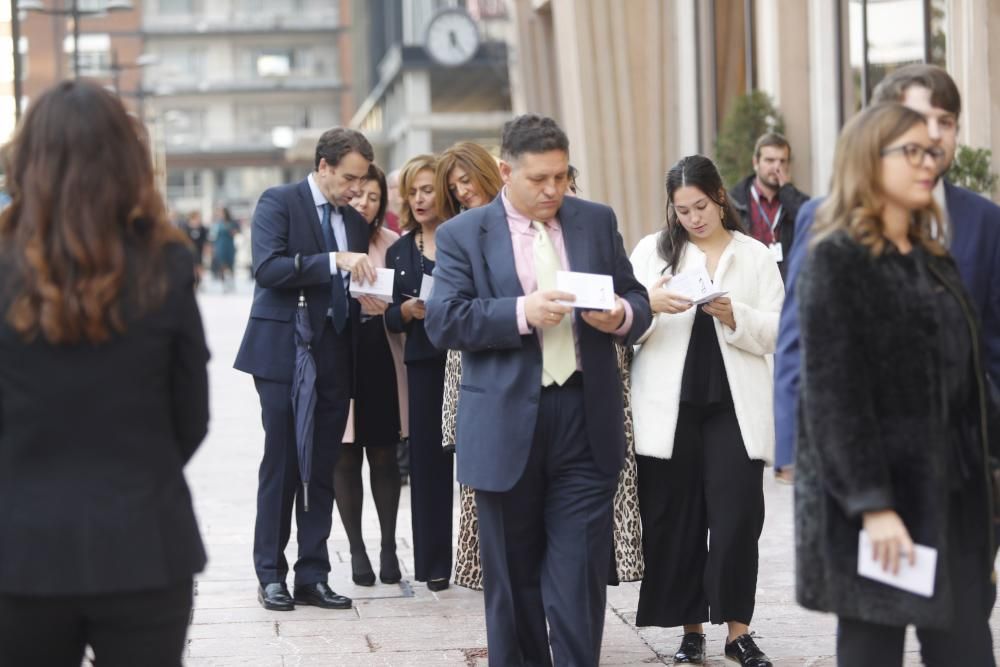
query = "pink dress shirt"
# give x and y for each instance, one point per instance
(522, 236)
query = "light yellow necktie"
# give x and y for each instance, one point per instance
(558, 350)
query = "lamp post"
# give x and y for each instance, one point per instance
(76, 14)
(144, 60)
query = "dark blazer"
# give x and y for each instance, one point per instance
(975, 245)
(289, 256)
(93, 442)
(791, 200)
(404, 257)
(473, 309)
(871, 431)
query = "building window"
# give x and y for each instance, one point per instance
(183, 127)
(887, 34)
(179, 7)
(95, 54)
(183, 183)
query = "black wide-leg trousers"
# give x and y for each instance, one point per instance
(702, 514)
(432, 476)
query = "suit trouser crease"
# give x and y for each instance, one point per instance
(549, 565)
(279, 484)
(968, 641)
(432, 476)
(702, 514)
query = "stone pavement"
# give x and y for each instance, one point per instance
(404, 624)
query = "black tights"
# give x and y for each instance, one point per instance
(350, 492)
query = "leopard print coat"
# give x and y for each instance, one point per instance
(629, 565)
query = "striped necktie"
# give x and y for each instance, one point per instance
(558, 350)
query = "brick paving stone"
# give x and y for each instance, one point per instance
(409, 625)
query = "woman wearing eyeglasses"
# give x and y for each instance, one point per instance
(893, 437)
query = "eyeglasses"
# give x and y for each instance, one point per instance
(914, 153)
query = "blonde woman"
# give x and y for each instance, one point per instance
(431, 469)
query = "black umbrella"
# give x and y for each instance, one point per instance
(304, 395)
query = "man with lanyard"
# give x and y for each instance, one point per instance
(767, 200)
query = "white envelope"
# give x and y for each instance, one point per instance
(917, 578)
(380, 289)
(426, 285)
(593, 291)
(694, 285)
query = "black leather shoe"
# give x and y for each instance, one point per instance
(744, 650)
(437, 585)
(275, 597)
(692, 650)
(320, 595)
(361, 570)
(389, 567)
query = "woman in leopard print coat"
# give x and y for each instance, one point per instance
(627, 558)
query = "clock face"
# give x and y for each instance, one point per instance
(452, 37)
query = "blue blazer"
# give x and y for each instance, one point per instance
(473, 309)
(975, 245)
(289, 256)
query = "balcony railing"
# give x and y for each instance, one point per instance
(242, 23)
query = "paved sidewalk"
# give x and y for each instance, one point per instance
(404, 624)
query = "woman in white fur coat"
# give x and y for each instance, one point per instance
(702, 410)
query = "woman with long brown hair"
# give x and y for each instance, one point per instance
(467, 177)
(376, 420)
(893, 439)
(103, 394)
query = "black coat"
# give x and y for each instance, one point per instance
(871, 432)
(93, 443)
(404, 257)
(791, 201)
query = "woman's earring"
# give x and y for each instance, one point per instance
(722, 213)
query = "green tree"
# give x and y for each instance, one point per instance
(751, 116)
(971, 169)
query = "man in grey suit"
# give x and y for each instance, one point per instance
(540, 416)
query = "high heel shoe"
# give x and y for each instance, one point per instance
(361, 570)
(389, 568)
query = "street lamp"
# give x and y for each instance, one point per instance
(76, 14)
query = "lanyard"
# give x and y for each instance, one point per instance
(760, 209)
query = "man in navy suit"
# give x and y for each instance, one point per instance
(540, 418)
(306, 241)
(970, 229)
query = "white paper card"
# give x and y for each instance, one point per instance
(593, 291)
(695, 286)
(918, 578)
(380, 289)
(426, 285)
(777, 252)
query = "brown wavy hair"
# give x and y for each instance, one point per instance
(407, 175)
(86, 224)
(477, 162)
(857, 197)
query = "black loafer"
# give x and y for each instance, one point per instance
(361, 570)
(743, 650)
(437, 585)
(320, 595)
(275, 597)
(692, 650)
(389, 568)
